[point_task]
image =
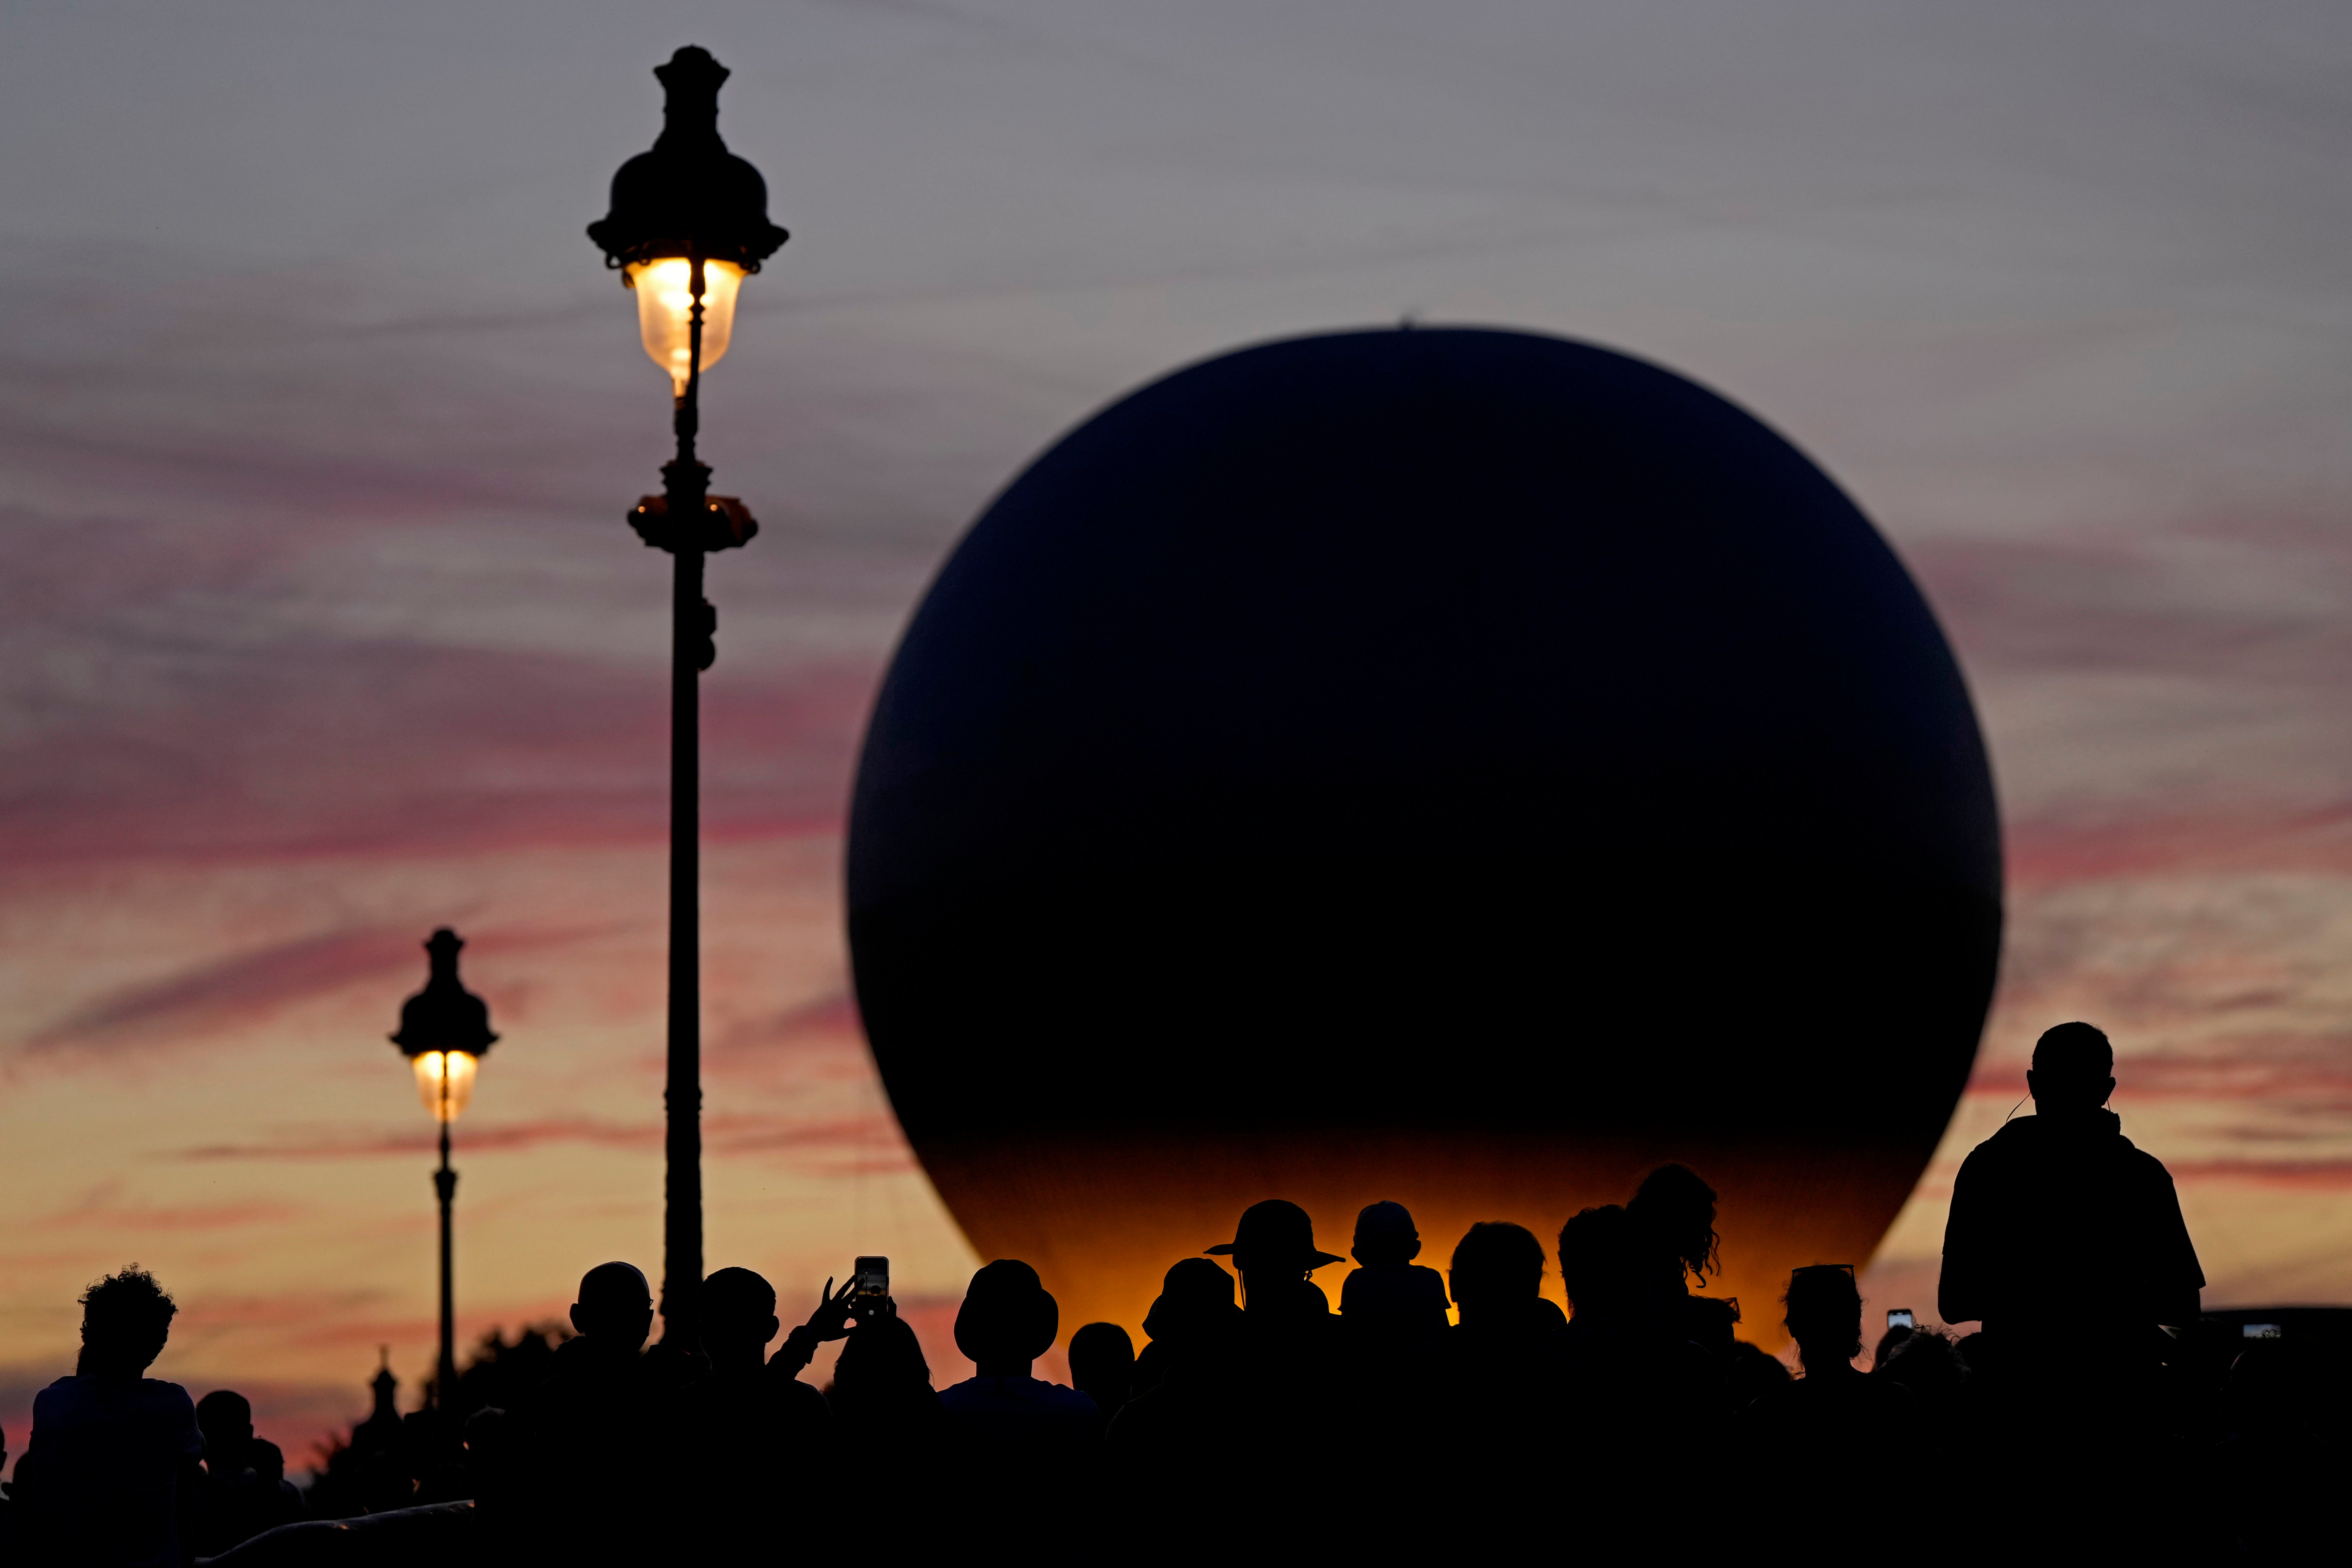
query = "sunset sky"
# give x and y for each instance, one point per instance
(320, 625)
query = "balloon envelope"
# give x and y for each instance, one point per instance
(1460, 767)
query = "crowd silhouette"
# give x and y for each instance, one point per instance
(1435, 1412)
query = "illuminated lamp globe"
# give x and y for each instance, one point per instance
(444, 1029)
(686, 207)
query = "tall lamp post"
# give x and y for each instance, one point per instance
(445, 1031)
(689, 222)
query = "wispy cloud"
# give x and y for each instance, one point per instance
(240, 990)
(875, 1134)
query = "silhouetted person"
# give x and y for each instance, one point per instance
(235, 1501)
(11, 1540)
(1389, 1305)
(892, 1435)
(1815, 1440)
(110, 1475)
(2059, 1199)
(1637, 1390)
(1286, 1323)
(1926, 1361)
(1102, 1366)
(1498, 1380)
(1013, 1430)
(2282, 1458)
(1673, 1214)
(746, 1442)
(1751, 1372)
(598, 1408)
(1262, 1420)
(2055, 1212)
(1194, 1318)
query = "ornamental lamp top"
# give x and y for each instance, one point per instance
(688, 196)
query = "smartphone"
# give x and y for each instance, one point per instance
(1900, 1318)
(870, 1286)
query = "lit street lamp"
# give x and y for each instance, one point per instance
(689, 222)
(444, 1030)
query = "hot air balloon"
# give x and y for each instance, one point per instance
(1461, 767)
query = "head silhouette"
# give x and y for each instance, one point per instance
(1675, 1211)
(1497, 1266)
(882, 1356)
(1102, 1363)
(1007, 1319)
(738, 1317)
(1385, 1236)
(226, 1419)
(1195, 1297)
(616, 1309)
(1600, 1262)
(2074, 1069)
(1274, 1245)
(125, 1319)
(1825, 1316)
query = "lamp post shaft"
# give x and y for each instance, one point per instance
(445, 1185)
(687, 485)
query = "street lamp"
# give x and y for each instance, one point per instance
(444, 1030)
(689, 222)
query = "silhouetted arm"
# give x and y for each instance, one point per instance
(186, 1483)
(1961, 1291)
(829, 1321)
(2173, 1269)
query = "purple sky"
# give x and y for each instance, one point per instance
(322, 626)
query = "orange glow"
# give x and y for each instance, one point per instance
(445, 1101)
(666, 310)
(1101, 1221)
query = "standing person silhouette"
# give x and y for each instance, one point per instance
(1389, 1304)
(2058, 1205)
(1811, 1439)
(744, 1445)
(2055, 1213)
(110, 1476)
(590, 1503)
(1287, 1416)
(1496, 1382)
(1007, 1321)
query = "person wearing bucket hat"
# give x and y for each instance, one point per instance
(1007, 1321)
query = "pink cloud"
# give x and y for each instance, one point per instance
(874, 1133)
(236, 992)
(2319, 1176)
(317, 746)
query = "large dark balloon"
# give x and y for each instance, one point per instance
(1461, 767)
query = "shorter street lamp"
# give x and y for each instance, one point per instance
(444, 1030)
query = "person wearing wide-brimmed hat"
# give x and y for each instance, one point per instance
(1250, 1401)
(1274, 1249)
(1289, 1332)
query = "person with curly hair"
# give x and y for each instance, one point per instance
(111, 1471)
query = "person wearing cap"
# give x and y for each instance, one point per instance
(2058, 1205)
